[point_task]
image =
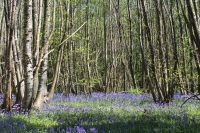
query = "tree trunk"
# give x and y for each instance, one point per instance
(43, 79)
(10, 13)
(131, 45)
(37, 14)
(28, 64)
(105, 49)
(152, 66)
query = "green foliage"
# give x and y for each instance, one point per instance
(136, 90)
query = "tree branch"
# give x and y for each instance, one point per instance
(196, 96)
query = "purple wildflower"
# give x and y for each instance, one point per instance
(70, 129)
(93, 130)
(80, 129)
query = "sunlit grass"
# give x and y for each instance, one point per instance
(125, 113)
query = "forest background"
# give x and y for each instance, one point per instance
(82, 46)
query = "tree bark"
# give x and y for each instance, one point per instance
(152, 66)
(131, 45)
(28, 64)
(10, 13)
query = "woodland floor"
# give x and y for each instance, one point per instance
(111, 113)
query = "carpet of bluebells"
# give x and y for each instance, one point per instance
(111, 113)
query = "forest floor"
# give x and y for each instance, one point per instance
(111, 113)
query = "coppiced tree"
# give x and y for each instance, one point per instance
(42, 87)
(9, 14)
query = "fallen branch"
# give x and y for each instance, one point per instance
(196, 96)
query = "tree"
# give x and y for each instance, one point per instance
(9, 9)
(28, 63)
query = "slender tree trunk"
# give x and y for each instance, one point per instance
(46, 34)
(145, 66)
(16, 56)
(194, 35)
(10, 13)
(131, 45)
(57, 72)
(105, 48)
(37, 14)
(28, 64)
(165, 87)
(43, 79)
(58, 63)
(88, 47)
(152, 66)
